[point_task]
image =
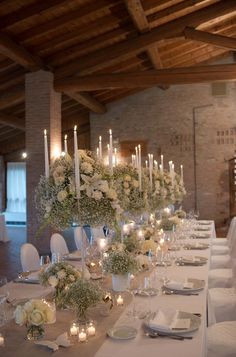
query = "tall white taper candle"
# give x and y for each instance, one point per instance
(46, 158)
(65, 144)
(100, 147)
(76, 157)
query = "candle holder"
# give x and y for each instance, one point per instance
(74, 330)
(2, 340)
(119, 300)
(82, 333)
(91, 328)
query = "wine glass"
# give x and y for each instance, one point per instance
(4, 293)
(44, 260)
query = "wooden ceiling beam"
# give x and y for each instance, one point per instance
(12, 98)
(7, 146)
(16, 52)
(139, 18)
(88, 101)
(124, 50)
(12, 121)
(184, 75)
(210, 38)
(28, 11)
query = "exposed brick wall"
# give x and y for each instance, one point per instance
(2, 184)
(43, 111)
(165, 120)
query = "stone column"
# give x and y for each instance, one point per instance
(2, 185)
(43, 111)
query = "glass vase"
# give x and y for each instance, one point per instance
(35, 332)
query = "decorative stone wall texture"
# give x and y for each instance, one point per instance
(43, 111)
(189, 126)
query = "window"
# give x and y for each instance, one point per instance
(16, 187)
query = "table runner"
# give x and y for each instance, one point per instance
(100, 346)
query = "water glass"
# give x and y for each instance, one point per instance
(44, 260)
(56, 258)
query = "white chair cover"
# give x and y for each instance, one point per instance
(220, 241)
(220, 278)
(221, 339)
(78, 234)
(230, 235)
(219, 250)
(29, 257)
(97, 232)
(220, 261)
(221, 305)
(58, 244)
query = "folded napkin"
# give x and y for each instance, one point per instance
(178, 285)
(168, 320)
(62, 340)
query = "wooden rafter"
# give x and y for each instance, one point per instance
(12, 98)
(184, 75)
(139, 18)
(12, 121)
(210, 38)
(20, 55)
(124, 50)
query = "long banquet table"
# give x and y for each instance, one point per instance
(102, 346)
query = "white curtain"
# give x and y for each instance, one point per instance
(16, 187)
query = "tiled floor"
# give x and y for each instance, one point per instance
(10, 252)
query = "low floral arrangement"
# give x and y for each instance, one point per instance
(127, 187)
(180, 214)
(120, 262)
(132, 243)
(81, 295)
(34, 314)
(148, 245)
(168, 224)
(60, 276)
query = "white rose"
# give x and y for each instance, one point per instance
(48, 208)
(103, 186)
(97, 195)
(29, 306)
(36, 317)
(53, 281)
(135, 183)
(20, 315)
(61, 274)
(71, 277)
(59, 180)
(112, 194)
(49, 315)
(61, 195)
(127, 178)
(86, 167)
(126, 184)
(127, 191)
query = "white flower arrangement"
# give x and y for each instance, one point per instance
(180, 214)
(83, 294)
(56, 197)
(127, 187)
(148, 245)
(34, 312)
(59, 276)
(120, 262)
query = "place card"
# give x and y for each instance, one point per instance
(181, 324)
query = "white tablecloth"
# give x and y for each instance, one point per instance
(145, 346)
(3, 230)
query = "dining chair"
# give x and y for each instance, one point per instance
(78, 235)
(221, 339)
(226, 241)
(58, 244)
(221, 305)
(97, 232)
(29, 257)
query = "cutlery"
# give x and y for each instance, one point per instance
(174, 337)
(171, 292)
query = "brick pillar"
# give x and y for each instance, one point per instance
(43, 111)
(2, 185)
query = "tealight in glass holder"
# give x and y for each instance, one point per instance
(82, 333)
(91, 328)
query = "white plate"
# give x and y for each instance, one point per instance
(146, 292)
(195, 323)
(198, 261)
(197, 286)
(122, 332)
(200, 246)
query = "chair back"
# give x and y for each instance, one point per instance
(29, 257)
(58, 244)
(78, 236)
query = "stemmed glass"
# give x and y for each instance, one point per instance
(4, 293)
(44, 260)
